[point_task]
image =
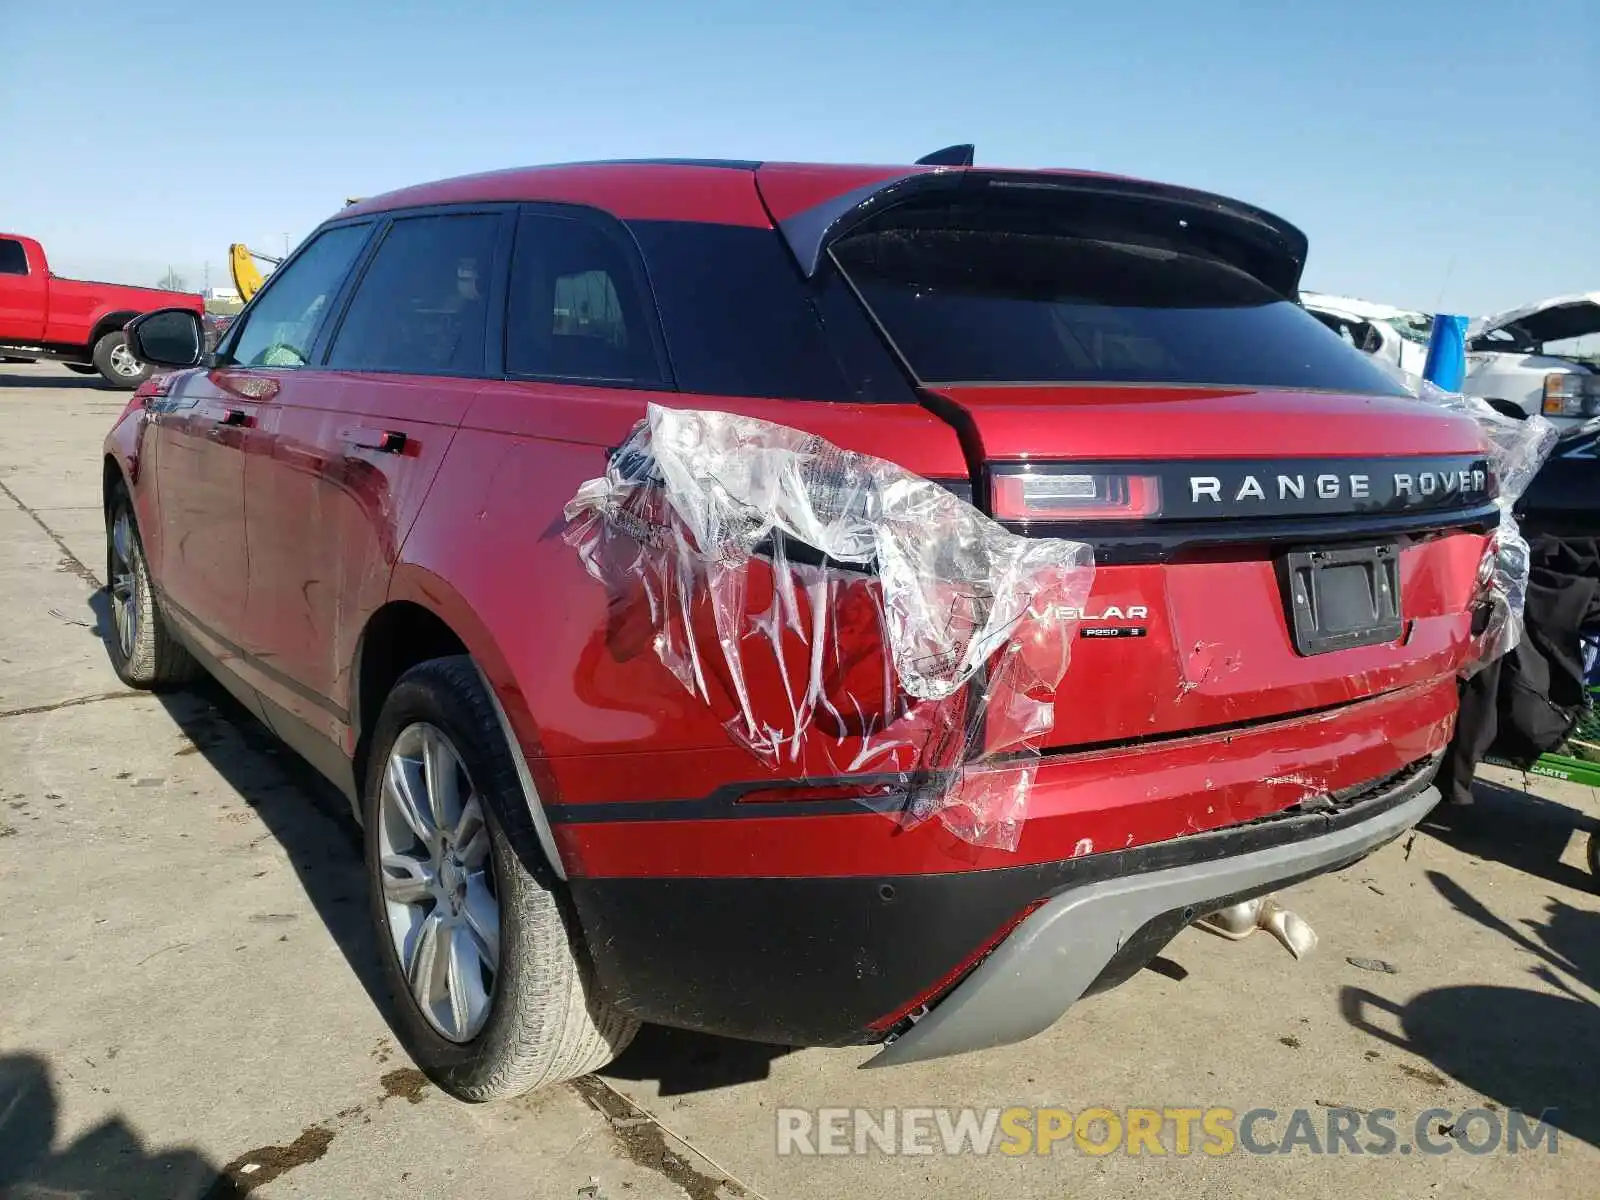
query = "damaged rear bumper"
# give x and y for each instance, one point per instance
(1096, 934)
(836, 961)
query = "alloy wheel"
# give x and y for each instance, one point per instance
(125, 583)
(437, 873)
(124, 363)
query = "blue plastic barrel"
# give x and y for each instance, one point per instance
(1447, 352)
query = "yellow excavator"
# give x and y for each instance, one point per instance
(242, 263)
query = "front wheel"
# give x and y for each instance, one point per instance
(492, 992)
(144, 652)
(116, 363)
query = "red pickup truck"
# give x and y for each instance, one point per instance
(43, 316)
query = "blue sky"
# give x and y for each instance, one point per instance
(1437, 154)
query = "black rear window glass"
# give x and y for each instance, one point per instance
(1006, 306)
(741, 321)
(577, 309)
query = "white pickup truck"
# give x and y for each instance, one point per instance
(1515, 359)
(1521, 361)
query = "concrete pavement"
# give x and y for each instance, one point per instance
(190, 1003)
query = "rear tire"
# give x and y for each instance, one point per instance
(143, 650)
(431, 864)
(116, 363)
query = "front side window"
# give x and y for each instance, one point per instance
(422, 306)
(13, 258)
(282, 324)
(575, 309)
(977, 304)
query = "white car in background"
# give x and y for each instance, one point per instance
(1525, 360)
(1396, 335)
(1521, 361)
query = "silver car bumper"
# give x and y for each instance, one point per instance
(1054, 956)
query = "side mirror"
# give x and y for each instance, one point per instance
(168, 337)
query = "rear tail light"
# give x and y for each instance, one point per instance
(1568, 394)
(1031, 493)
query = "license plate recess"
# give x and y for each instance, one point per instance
(1343, 597)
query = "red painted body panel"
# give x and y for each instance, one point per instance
(25, 299)
(572, 683)
(1080, 804)
(632, 192)
(200, 482)
(131, 445)
(1219, 648)
(666, 190)
(1220, 651)
(43, 308)
(326, 513)
(607, 722)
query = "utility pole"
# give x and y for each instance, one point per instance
(286, 245)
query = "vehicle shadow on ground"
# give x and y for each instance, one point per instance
(1516, 828)
(8, 379)
(683, 1062)
(1524, 1049)
(312, 821)
(109, 1159)
(307, 815)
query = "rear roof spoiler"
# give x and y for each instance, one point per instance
(1280, 246)
(951, 156)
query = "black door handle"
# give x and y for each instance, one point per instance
(234, 418)
(386, 441)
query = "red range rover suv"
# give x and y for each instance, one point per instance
(351, 512)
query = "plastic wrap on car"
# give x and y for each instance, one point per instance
(1517, 449)
(839, 614)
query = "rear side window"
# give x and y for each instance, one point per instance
(13, 258)
(282, 323)
(576, 309)
(740, 320)
(422, 305)
(1009, 305)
